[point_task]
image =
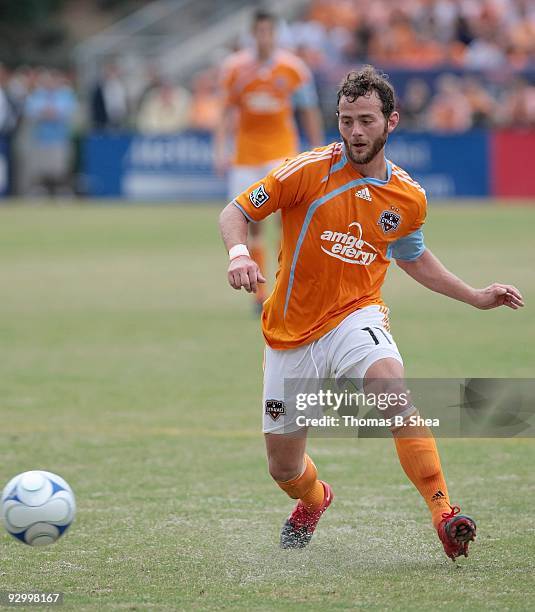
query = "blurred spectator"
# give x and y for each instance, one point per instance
(482, 104)
(333, 13)
(414, 105)
(310, 42)
(449, 110)
(484, 41)
(490, 43)
(518, 106)
(480, 34)
(164, 110)
(484, 53)
(8, 112)
(206, 107)
(23, 80)
(49, 113)
(152, 81)
(462, 32)
(402, 45)
(108, 104)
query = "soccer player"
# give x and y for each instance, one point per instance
(262, 86)
(347, 211)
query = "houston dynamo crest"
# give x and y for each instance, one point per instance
(275, 408)
(389, 221)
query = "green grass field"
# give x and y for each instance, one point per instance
(129, 367)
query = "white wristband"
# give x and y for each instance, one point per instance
(238, 250)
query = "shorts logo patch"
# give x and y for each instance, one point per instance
(259, 196)
(275, 408)
(389, 221)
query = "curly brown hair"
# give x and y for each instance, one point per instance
(365, 81)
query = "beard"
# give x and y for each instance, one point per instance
(366, 156)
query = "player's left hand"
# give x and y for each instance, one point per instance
(496, 295)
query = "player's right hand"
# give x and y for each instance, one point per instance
(244, 272)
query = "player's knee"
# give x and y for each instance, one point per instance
(391, 396)
(283, 470)
(384, 369)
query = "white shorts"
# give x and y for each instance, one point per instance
(240, 178)
(357, 342)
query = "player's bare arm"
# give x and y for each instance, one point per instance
(242, 270)
(221, 135)
(431, 273)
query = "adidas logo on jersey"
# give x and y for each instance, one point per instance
(364, 194)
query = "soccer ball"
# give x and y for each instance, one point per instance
(37, 507)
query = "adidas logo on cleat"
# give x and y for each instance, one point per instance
(364, 194)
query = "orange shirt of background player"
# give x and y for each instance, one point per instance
(262, 93)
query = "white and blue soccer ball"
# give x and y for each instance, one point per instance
(37, 507)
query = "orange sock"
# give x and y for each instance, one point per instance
(420, 460)
(258, 254)
(305, 487)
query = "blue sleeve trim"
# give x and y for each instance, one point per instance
(306, 96)
(408, 248)
(243, 212)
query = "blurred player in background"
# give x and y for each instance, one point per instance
(262, 87)
(346, 212)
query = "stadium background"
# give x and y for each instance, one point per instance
(128, 366)
(464, 72)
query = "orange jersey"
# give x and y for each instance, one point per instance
(339, 231)
(263, 94)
